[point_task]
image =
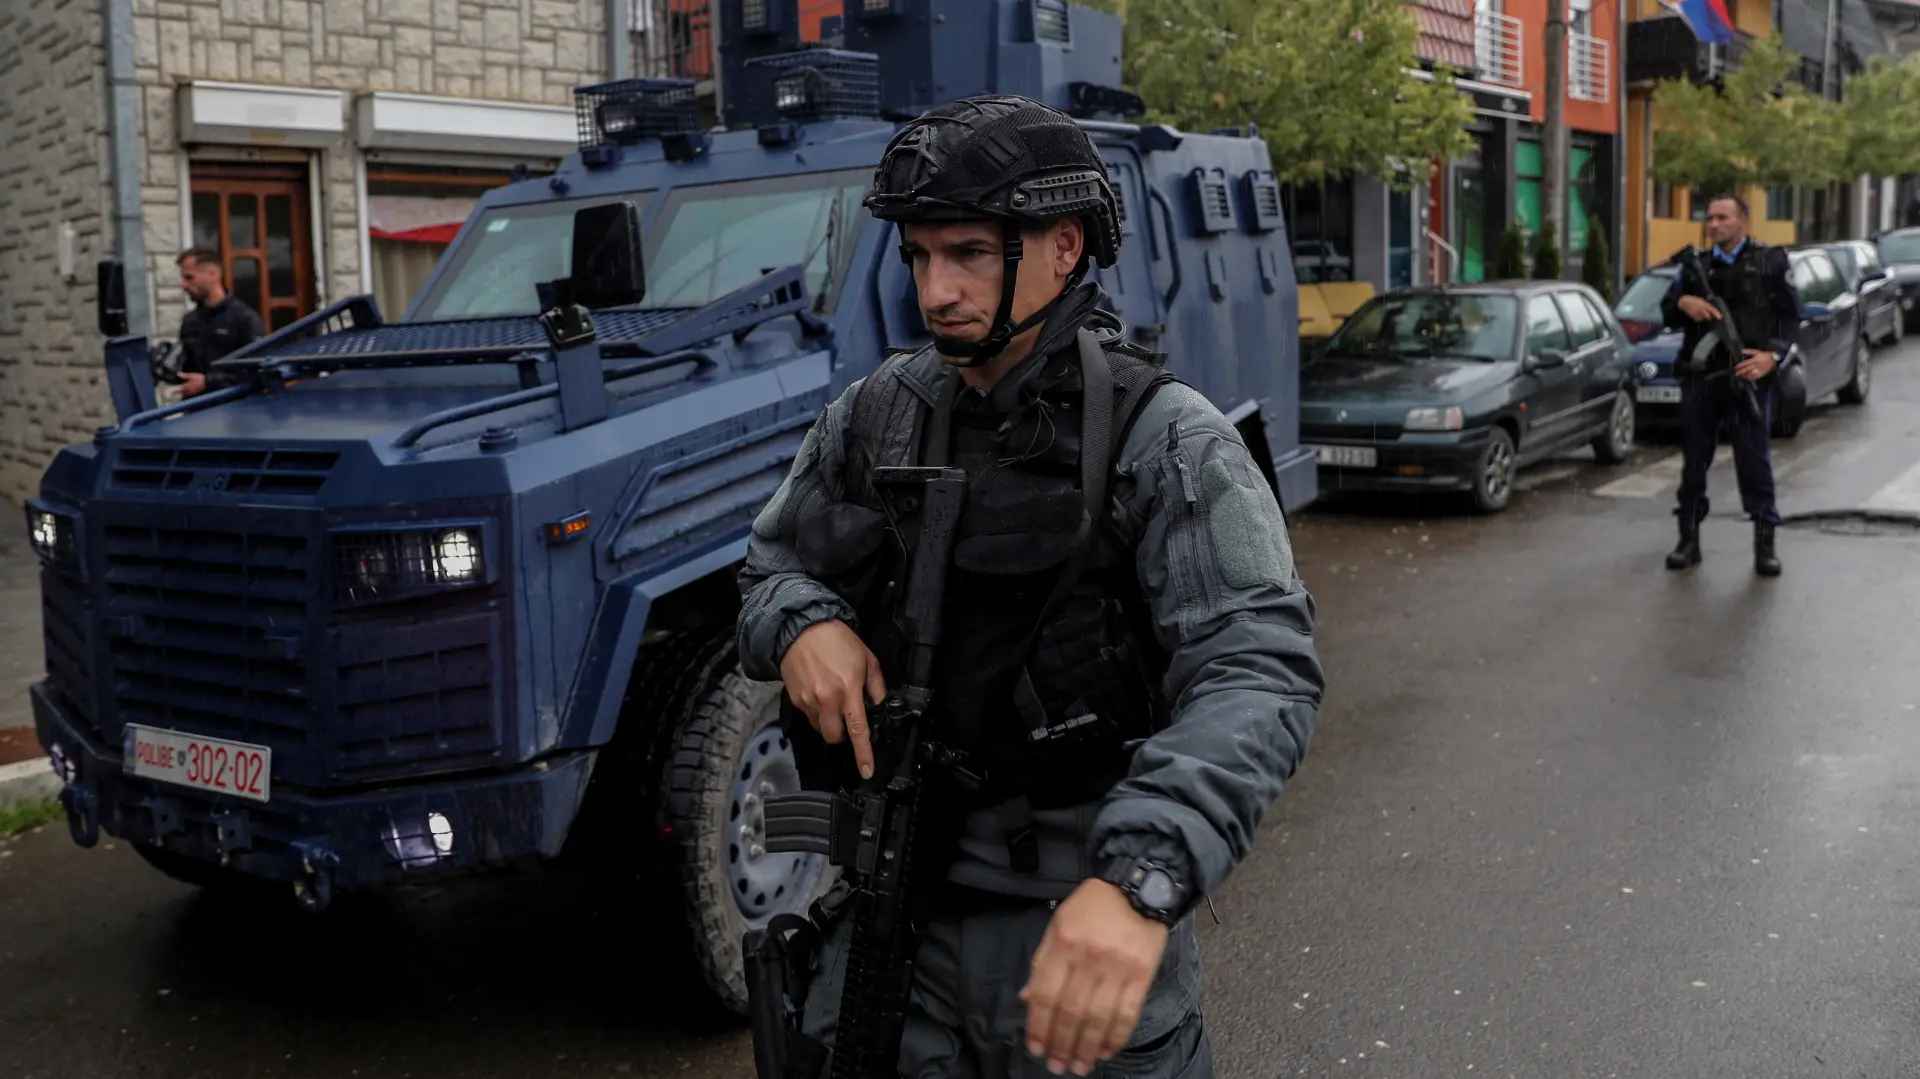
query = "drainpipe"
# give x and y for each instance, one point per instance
(619, 39)
(123, 159)
(1618, 80)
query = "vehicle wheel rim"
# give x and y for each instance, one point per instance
(1622, 423)
(763, 883)
(1499, 469)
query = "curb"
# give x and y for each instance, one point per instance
(28, 781)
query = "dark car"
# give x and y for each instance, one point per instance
(1900, 254)
(1828, 354)
(1455, 387)
(1859, 264)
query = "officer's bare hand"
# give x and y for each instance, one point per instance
(1090, 978)
(192, 385)
(826, 670)
(1698, 309)
(1758, 365)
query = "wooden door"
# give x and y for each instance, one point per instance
(256, 216)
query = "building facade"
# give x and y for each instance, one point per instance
(326, 148)
(1502, 181)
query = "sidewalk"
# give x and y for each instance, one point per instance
(21, 659)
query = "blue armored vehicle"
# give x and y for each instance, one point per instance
(456, 592)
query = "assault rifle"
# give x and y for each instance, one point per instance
(876, 832)
(1720, 332)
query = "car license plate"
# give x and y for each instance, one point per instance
(1665, 395)
(209, 764)
(1347, 456)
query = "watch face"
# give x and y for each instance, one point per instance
(1157, 890)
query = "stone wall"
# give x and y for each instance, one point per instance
(502, 50)
(53, 171)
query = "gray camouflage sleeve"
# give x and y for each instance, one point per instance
(779, 599)
(1216, 564)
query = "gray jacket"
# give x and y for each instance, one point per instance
(1214, 560)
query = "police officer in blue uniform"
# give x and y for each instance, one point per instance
(1717, 387)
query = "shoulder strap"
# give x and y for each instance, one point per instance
(1098, 448)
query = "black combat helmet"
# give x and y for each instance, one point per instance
(999, 157)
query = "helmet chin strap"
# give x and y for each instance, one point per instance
(976, 353)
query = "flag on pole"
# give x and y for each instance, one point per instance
(1708, 19)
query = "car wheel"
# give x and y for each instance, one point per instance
(1855, 391)
(1899, 332)
(1791, 403)
(1493, 480)
(1612, 445)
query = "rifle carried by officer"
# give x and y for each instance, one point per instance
(878, 833)
(1720, 332)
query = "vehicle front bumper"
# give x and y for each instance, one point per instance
(319, 841)
(1415, 461)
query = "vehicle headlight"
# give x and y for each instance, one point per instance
(54, 535)
(456, 557)
(1435, 419)
(1649, 370)
(390, 564)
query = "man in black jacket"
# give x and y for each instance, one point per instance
(1751, 278)
(219, 323)
(1134, 728)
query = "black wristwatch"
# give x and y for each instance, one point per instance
(1152, 889)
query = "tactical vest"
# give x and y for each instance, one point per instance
(1048, 670)
(1743, 285)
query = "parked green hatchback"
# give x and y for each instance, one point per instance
(1457, 387)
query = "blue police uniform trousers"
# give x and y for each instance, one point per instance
(1704, 403)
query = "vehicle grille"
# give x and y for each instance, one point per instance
(63, 620)
(231, 633)
(206, 632)
(408, 691)
(288, 472)
(1337, 432)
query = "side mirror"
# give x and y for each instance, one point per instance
(1816, 312)
(608, 270)
(1877, 275)
(1548, 357)
(110, 297)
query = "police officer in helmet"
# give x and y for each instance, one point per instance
(1135, 683)
(1716, 387)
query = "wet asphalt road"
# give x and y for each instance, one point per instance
(1566, 815)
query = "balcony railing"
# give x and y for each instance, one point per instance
(1496, 47)
(1589, 68)
(1663, 48)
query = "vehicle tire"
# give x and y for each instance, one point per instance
(725, 753)
(1856, 390)
(1899, 331)
(1493, 476)
(1790, 405)
(1614, 444)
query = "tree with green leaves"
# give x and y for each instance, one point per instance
(1325, 80)
(1882, 114)
(1757, 128)
(1510, 261)
(1596, 266)
(1546, 253)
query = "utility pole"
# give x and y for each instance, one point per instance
(1554, 147)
